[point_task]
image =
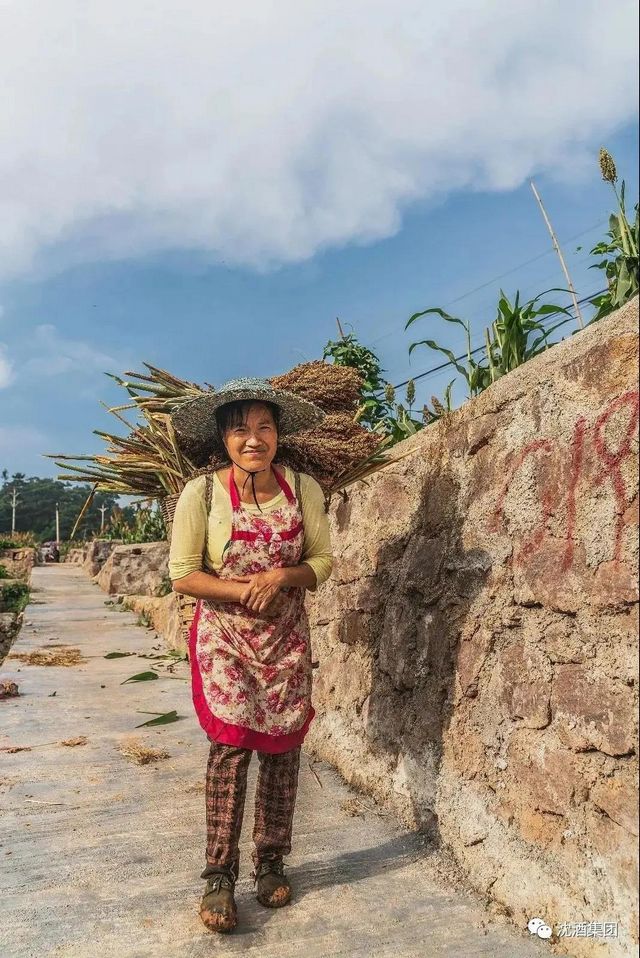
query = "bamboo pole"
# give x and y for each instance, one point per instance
(556, 246)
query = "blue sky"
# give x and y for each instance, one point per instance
(106, 291)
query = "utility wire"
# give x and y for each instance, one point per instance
(478, 349)
(509, 272)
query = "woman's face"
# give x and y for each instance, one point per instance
(253, 443)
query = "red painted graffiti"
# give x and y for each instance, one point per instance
(610, 462)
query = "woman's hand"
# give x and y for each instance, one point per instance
(261, 590)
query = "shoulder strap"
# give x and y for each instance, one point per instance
(208, 496)
(298, 486)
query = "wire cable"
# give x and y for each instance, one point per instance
(509, 272)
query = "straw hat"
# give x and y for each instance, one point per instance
(195, 421)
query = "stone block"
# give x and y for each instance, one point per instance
(543, 779)
(617, 796)
(472, 654)
(140, 569)
(593, 711)
(526, 685)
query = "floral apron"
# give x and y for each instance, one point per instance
(251, 675)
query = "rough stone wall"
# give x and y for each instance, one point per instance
(18, 562)
(478, 638)
(140, 569)
(163, 615)
(77, 556)
(97, 553)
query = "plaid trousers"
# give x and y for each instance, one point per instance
(225, 792)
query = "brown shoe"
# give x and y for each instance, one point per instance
(274, 889)
(218, 907)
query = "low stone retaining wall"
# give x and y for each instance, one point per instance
(10, 623)
(97, 553)
(139, 569)
(478, 638)
(18, 562)
(162, 614)
(76, 556)
(139, 574)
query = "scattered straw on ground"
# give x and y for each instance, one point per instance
(353, 807)
(197, 787)
(71, 742)
(8, 689)
(140, 753)
(12, 749)
(61, 657)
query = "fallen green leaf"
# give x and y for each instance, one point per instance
(141, 677)
(117, 655)
(164, 719)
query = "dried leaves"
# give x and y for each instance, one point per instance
(65, 657)
(8, 689)
(141, 754)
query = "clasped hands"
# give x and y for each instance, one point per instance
(263, 592)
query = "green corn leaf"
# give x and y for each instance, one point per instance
(165, 719)
(433, 345)
(141, 677)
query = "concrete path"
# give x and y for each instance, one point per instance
(101, 857)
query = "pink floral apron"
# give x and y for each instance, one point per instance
(251, 675)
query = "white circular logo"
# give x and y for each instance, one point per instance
(539, 927)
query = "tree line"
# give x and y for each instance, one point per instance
(36, 500)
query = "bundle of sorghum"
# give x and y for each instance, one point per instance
(331, 451)
(333, 388)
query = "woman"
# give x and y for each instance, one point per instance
(247, 542)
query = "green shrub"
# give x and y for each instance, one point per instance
(14, 597)
(148, 526)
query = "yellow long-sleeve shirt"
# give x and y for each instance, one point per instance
(189, 523)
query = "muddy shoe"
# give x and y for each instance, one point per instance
(218, 907)
(273, 889)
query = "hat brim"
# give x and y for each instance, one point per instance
(195, 421)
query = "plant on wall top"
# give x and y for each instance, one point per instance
(619, 251)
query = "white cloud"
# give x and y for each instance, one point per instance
(261, 133)
(6, 368)
(54, 355)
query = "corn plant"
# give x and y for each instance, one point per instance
(510, 341)
(515, 336)
(619, 251)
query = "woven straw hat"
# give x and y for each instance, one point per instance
(195, 421)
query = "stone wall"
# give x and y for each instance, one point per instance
(162, 614)
(136, 569)
(18, 562)
(96, 554)
(77, 556)
(478, 638)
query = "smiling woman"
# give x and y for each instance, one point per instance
(247, 546)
